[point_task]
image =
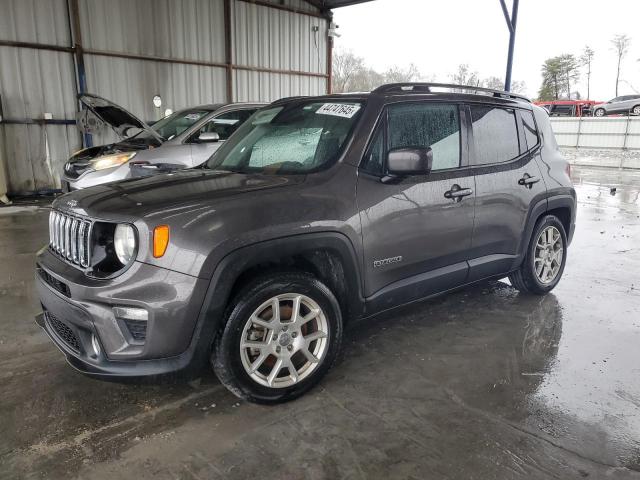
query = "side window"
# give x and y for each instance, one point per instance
(427, 125)
(373, 161)
(495, 135)
(529, 126)
(225, 124)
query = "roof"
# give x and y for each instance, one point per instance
(421, 91)
(329, 4)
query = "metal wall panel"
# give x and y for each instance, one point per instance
(36, 81)
(33, 82)
(185, 29)
(604, 132)
(271, 38)
(35, 21)
(260, 86)
(36, 153)
(133, 83)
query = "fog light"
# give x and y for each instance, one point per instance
(95, 345)
(131, 313)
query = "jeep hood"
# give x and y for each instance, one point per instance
(157, 195)
(119, 119)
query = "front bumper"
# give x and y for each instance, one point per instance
(78, 317)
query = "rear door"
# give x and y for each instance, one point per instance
(416, 236)
(504, 147)
(224, 125)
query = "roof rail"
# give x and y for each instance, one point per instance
(426, 87)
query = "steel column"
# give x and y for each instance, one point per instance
(511, 25)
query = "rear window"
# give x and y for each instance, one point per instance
(529, 127)
(495, 135)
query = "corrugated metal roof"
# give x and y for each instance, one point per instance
(329, 4)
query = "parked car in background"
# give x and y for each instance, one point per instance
(317, 211)
(185, 138)
(624, 105)
(569, 108)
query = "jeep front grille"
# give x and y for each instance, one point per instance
(69, 237)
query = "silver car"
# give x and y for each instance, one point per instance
(626, 105)
(183, 139)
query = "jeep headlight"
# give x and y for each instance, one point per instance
(110, 161)
(125, 243)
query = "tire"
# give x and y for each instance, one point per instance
(636, 110)
(600, 112)
(277, 341)
(530, 278)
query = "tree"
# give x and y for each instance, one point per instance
(464, 76)
(518, 86)
(366, 80)
(621, 47)
(569, 67)
(351, 74)
(551, 79)
(496, 83)
(345, 66)
(586, 59)
(397, 74)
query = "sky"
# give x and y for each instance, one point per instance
(438, 36)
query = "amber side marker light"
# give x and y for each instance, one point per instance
(160, 240)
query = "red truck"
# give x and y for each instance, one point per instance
(569, 108)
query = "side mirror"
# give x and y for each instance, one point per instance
(206, 137)
(410, 161)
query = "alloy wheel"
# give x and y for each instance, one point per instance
(284, 340)
(548, 255)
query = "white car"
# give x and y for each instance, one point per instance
(183, 139)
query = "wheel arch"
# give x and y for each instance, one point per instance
(330, 256)
(561, 205)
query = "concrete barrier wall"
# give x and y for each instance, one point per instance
(618, 133)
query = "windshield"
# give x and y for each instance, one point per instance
(293, 138)
(175, 124)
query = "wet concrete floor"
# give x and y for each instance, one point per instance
(483, 383)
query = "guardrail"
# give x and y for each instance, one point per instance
(618, 133)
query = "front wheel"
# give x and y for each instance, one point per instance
(544, 261)
(636, 110)
(600, 112)
(282, 335)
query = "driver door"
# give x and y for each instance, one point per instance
(416, 236)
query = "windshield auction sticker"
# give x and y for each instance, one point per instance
(338, 109)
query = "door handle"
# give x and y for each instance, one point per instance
(528, 180)
(457, 193)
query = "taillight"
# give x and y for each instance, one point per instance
(568, 169)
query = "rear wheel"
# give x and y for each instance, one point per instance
(600, 112)
(544, 262)
(282, 335)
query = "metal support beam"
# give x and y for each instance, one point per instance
(512, 21)
(284, 8)
(330, 65)
(228, 51)
(76, 35)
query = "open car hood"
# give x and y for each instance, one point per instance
(119, 119)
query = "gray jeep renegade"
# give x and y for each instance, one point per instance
(317, 211)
